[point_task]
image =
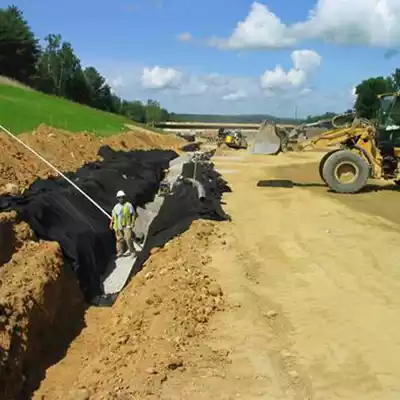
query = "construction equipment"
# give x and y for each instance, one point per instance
(233, 139)
(363, 148)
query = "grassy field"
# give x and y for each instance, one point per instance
(23, 110)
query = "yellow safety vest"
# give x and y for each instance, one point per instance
(126, 219)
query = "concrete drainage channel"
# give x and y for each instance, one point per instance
(187, 183)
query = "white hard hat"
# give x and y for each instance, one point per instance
(121, 193)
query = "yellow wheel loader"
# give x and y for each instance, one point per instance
(363, 148)
(233, 139)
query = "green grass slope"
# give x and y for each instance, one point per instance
(23, 110)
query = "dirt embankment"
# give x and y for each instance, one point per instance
(151, 335)
(41, 308)
(67, 151)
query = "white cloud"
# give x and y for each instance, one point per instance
(193, 86)
(161, 78)
(116, 83)
(235, 88)
(207, 92)
(234, 96)
(260, 29)
(215, 79)
(185, 37)
(305, 62)
(362, 22)
(305, 91)
(371, 22)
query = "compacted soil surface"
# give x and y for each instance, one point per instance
(296, 298)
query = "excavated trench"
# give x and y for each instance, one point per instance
(68, 246)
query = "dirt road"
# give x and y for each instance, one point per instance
(329, 271)
(311, 285)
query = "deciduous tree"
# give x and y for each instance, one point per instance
(367, 103)
(19, 49)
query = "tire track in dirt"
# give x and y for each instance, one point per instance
(329, 268)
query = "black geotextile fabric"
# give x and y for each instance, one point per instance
(184, 203)
(57, 212)
(179, 210)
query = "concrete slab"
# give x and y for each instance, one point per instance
(119, 270)
(117, 273)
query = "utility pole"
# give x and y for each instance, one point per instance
(296, 112)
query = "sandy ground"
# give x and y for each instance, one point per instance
(327, 265)
(310, 284)
(296, 298)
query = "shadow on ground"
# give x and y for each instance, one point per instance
(377, 198)
(286, 184)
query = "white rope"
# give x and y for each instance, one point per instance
(55, 169)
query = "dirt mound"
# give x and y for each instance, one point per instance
(41, 306)
(13, 234)
(223, 150)
(151, 332)
(38, 297)
(67, 151)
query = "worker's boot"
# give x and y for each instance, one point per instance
(131, 250)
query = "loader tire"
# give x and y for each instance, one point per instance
(322, 162)
(342, 165)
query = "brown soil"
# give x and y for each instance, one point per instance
(224, 149)
(41, 309)
(309, 309)
(67, 151)
(13, 234)
(311, 292)
(152, 333)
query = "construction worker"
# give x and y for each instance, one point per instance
(123, 219)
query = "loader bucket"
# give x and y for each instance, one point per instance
(266, 140)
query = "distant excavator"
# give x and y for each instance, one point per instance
(363, 148)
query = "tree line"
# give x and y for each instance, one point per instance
(238, 118)
(55, 69)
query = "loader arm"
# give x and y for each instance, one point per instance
(331, 138)
(272, 140)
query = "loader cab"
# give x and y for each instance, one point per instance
(388, 121)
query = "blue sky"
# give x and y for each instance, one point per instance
(194, 56)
